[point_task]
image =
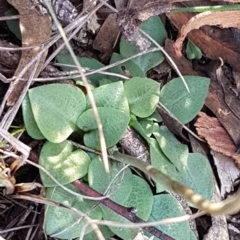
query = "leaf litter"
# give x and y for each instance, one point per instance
(220, 94)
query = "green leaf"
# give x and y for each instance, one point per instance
(193, 236)
(134, 123)
(106, 232)
(55, 108)
(99, 180)
(183, 105)
(198, 175)
(160, 162)
(175, 151)
(166, 206)
(62, 223)
(29, 121)
(192, 51)
(142, 95)
(147, 126)
(63, 163)
(155, 28)
(156, 117)
(13, 24)
(89, 63)
(114, 124)
(141, 199)
(130, 66)
(112, 96)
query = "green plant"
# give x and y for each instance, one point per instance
(55, 111)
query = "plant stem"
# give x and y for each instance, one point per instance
(207, 8)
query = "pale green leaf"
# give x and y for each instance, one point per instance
(183, 105)
(132, 68)
(56, 108)
(112, 96)
(141, 199)
(166, 206)
(175, 151)
(198, 175)
(156, 117)
(89, 63)
(160, 162)
(193, 236)
(155, 28)
(147, 126)
(192, 51)
(142, 95)
(106, 232)
(29, 121)
(134, 123)
(62, 223)
(98, 179)
(114, 124)
(63, 163)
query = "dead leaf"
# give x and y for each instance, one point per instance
(210, 68)
(228, 173)
(213, 48)
(216, 136)
(92, 23)
(224, 19)
(230, 92)
(120, 4)
(35, 30)
(216, 103)
(106, 37)
(9, 59)
(184, 65)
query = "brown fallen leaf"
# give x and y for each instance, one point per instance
(106, 37)
(216, 136)
(213, 48)
(216, 103)
(228, 172)
(120, 4)
(35, 30)
(223, 19)
(92, 23)
(184, 65)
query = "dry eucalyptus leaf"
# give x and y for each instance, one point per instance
(216, 136)
(224, 19)
(35, 30)
(213, 46)
(106, 37)
(228, 172)
(184, 65)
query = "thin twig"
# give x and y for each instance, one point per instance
(122, 211)
(88, 88)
